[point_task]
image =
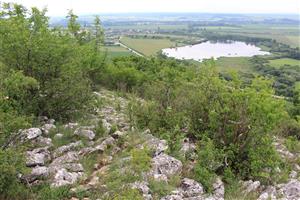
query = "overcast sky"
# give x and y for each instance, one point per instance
(60, 7)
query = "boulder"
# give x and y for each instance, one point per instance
(157, 145)
(142, 186)
(160, 177)
(99, 148)
(251, 186)
(73, 167)
(58, 136)
(106, 125)
(87, 133)
(187, 146)
(219, 190)
(268, 194)
(293, 174)
(63, 177)
(37, 157)
(32, 133)
(191, 188)
(69, 157)
(108, 141)
(43, 141)
(71, 125)
(291, 190)
(87, 150)
(46, 128)
(36, 173)
(166, 165)
(176, 195)
(117, 134)
(66, 148)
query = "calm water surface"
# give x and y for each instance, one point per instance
(210, 49)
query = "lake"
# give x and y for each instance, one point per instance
(214, 50)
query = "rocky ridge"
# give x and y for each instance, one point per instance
(62, 165)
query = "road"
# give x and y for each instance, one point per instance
(131, 50)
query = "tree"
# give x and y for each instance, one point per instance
(52, 59)
(73, 25)
(99, 34)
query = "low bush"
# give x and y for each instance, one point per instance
(12, 164)
(129, 194)
(140, 160)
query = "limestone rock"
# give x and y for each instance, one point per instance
(108, 141)
(58, 136)
(66, 148)
(32, 133)
(37, 157)
(69, 157)
(117, 134)
(46, 128)
(159, 146)
(43, 141)
(87, 133)
(142, 186)
(187, 146)
(86, 151)
(291, 190)
(166, 165)
(106, 125)
(63, 177)
(218, 190)
(268, 194)
(71, 125)
(251, 186)
(293, 174)
(191, 188)
(73, 167)
(36, 173)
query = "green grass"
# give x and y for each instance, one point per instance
(226, 64)
(146, 46)
(284, 61)
(115, 51)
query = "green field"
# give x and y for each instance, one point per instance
(284, 61)
(115, 51)
(234, 63)
(150, 27)
(146, 46)
(288, 34)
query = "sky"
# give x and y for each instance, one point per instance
(60, 7)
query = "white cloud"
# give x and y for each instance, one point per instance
(60, 7)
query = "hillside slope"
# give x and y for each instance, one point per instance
(103, 157)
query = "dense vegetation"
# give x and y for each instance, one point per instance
(52, 71)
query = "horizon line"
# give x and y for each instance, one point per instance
(180, 12)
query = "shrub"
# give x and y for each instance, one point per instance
(204, 176)
(292, 144)
(143, 114)
(113, 129)
(11, 165)
(45, 192)
(129, 194)
(174, 139)
(263, 160)
(140, 160)
(289, 127)
(209, 156)
(160, 188)
(100, 130)
(229, 176)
